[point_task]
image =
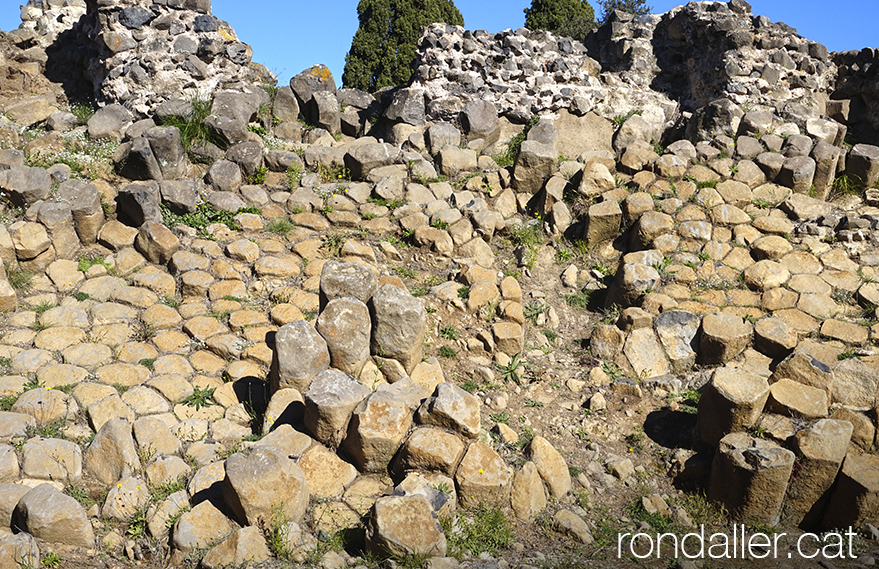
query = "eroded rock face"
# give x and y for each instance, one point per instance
(690, 307)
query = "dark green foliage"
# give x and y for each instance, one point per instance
(571, 18)
(638, 7)
(383, 48)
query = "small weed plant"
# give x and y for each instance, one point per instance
(511, 371)
(448, 332)
(200, 398)
(533, 311)
(19, 279)
(447, 352)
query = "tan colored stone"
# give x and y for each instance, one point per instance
(724, 336)
(772, 247)
(645, 354)
(203, 525)
(405, 526)
(750, 477)
(855, 384)
(844, 332)
(509, 337)
(551, 466)
(327, 474)
(511, 290)
(805, 369)
(47, 406)
(820, 450)
(798, 320)
(765, 275)
(162, 284)
(377, 427)
(482, 477)
(123, 374)
(243, 547)
(855, 498)
(603, 222)
(774, 337)
(527, 495)
(573, 525)
(820, 306)
(431, 449)
(787, 397)
(49, 515)
(732, 401)
(260, 478)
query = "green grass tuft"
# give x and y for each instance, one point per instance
(447, 352)
(485, 530)
(19, 279)
(280, 226)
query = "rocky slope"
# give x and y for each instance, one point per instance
(545, 295)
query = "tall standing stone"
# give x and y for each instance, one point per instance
(398, 326)
(346, 327)
(300, 354)
(732, 401)
(855, 497)
(821, 449)
(112, 455)
(749, 477)
(329, 402)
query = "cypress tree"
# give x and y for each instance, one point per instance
(638, 7)
(383, 47)
(572, 18)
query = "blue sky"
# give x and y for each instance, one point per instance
(291, 35)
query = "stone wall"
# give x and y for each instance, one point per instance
(710, 50)
(664, 66)
(49, 18)
(856, 100)
(138, 53)
(523, 73)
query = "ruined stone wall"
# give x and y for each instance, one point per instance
(710, 50)
(660, 65)
(856, 99)
(150, 53)
(139, 53)
(524, 73)
(49, 18)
